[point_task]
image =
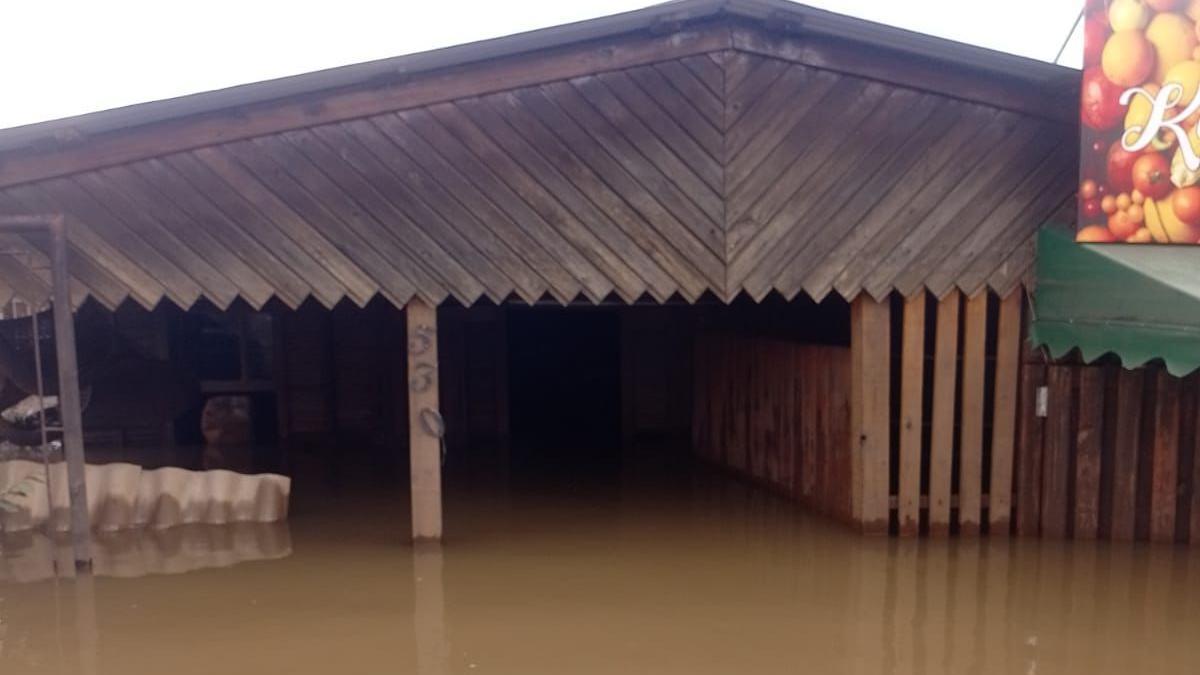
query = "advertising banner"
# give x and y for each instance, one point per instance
(1140, 163)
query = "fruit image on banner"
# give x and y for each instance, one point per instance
(1139, 107)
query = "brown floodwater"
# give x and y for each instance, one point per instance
(699, 574)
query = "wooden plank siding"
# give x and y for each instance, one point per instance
(799, 399)
(659, 168)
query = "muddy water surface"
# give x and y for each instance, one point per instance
(700, 576)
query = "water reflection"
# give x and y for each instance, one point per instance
(702, 576)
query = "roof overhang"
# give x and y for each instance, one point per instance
(1140, 302)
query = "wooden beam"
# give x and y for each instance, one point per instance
(1164, 470)
(912, 399)
(424, 421)
(870, 344)
(370, 98)
(1004, 416)
(970, 465)
(939, 78)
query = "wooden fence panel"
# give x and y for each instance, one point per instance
(1004, 416)
(870, 345)
(1088, 437)
(1165, 463)
(1056, 453)
(1130, 384)
(941, 444)
(970, 466)
(912, 399)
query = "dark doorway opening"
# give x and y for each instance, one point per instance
(565, 389)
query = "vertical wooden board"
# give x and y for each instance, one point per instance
(912, 386)
(1165, 466)
(873, 393)
(941, 445)
(1130, 386)
(1030, 430)
(1004, 416)
(1057, 461)
(1088, 437)
(970, 466)
(425, 453)
(1194, 495)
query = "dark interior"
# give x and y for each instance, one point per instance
(565, 407)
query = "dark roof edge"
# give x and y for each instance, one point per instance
(667, 16)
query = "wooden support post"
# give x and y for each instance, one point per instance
(941, 441)
(912, 408)
(68, 391)
(1004, 418)
(970, 465)
(424, 421)
(870, 393)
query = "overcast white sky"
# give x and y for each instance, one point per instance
(66, 57)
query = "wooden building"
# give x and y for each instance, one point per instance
(814, 235)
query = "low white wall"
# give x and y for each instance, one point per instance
(122, 496)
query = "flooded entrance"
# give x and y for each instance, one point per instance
(695, 574)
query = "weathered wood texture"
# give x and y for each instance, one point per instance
(1079, 469)
(935, 445)
(870, 412)
(777, 412)
(424, 421)
(674, 173)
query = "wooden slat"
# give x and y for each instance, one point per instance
(941, 438)
(833, 197)
(1004, 416)
(1164, 472)
(870, 344)
(441, 85)
(928, 195)
(648, 224)
(1056, 476)
(679, 202)
(979, 194)
(201, 242)
(1194, 495)
(820, 261)
(1088, 438)
(696, 173)
(354, 172)
(243, 197)
(683, 111)
(912, 395)
(1030, 430)
(1130, 386)
(430, 201)
(471, 178)
(862, 61)
(970, 464)
(517, 164)
(1048, 179)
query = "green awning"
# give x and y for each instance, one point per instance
(1137, 301)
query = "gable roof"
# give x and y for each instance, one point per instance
(671, 150)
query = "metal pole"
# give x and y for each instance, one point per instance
(68, 394)
(41, 397)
